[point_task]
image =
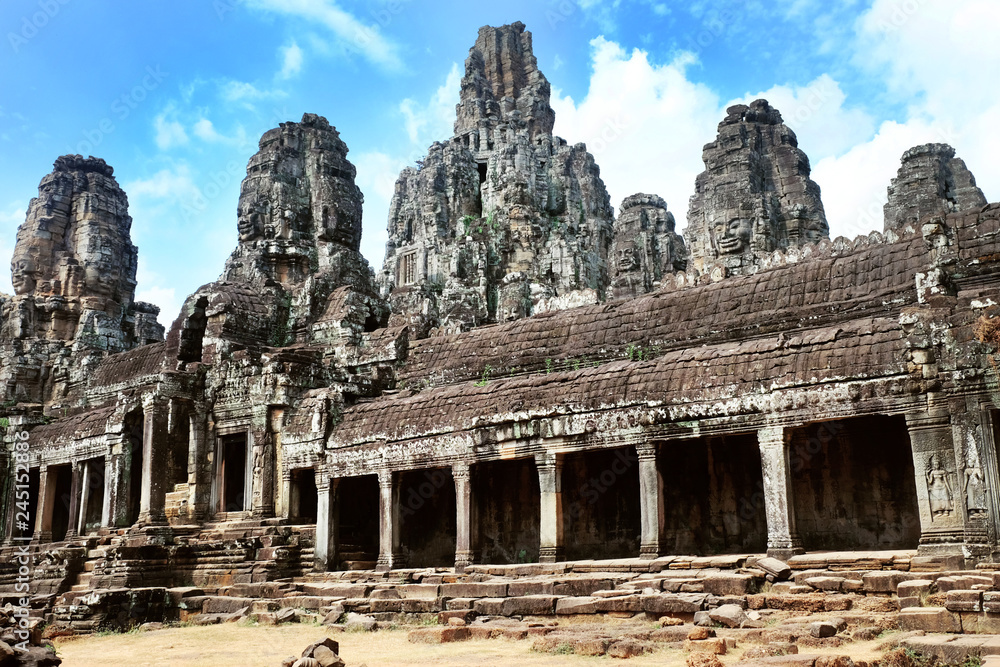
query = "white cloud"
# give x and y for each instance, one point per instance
(205, 130)
(237, 91)
(9, 222)
(377, 173)
(150, 288)
(352, 34)
(173, 182)
(645, 123)
(816, 114)
(433, 121)
(291, 61)
(169, 132)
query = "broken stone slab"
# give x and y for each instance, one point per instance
(577, 605)
(964, 600)
(326, 652)
(713, 645)
(359, 623)
(822, 629)
(731, 616)
(440, 635)
(780, 570)
(930, 619)
(826, 583)
(915, 588)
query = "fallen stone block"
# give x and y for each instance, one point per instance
(731, 616)
(964, 600)
(529, 605)
(821, 629)
(713, 645)
(440, 635)
(930, 619)
(577, 605)
(825, 583)
(728, 584)
(627, 648)
(915, 588)
(774, 567)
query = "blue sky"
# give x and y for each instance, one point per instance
(174, 95)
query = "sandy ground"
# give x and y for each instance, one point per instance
(266, 646)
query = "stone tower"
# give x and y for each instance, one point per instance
(503, 216)
(74, 264)
(296, 275)
(755, 195)
(645, 246)
(931, 180)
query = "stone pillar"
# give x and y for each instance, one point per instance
(286, 494)
(85, 482)
(389, 552)
(327, 523)
(262, 470)
(46, 502)
(942, 524)
(782, 539)
(552, 548)
(653, 519)
(155, 454)
(199, 485)
(463, 514)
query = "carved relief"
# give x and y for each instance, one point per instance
(939, 490)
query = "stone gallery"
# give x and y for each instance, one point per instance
(528, 379)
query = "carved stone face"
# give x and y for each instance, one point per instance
(23, 274)
(812, 231)
(627, 260)
(733, 237)
(250, 222)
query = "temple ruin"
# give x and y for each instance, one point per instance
(527, 380)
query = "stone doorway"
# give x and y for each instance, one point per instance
(133, 463)
(427, 521)
(713, 496)
(853, 485)
(303, 496)
(62, 477)
(600, 500)
(358, 522)
(506, 512)
(232, 472)
(92, 500)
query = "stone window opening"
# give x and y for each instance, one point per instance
(479, 191)
(371, 322)
(408, 269)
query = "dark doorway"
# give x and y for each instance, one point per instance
(427, 521)
(233, 470)
(304, 496)
(713, 495)
(506, 515)
(358, 517)
(853, 485)
(94, 492)
(133, 463)
(62, 477)
(600, 495)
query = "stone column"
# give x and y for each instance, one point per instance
(199, 485)
(653, 519)
(327, 523)
(46, 502)
(85, 482)
(262, 474)
(286, 494)
(463, 514)
(782, 539)
(942, 524)
(111, 508)
(551, 527)
(74, 500)
(153, 494)
(389, 552)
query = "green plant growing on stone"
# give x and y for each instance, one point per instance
(548, 365)
(564, 649)
(467, 223)
(485, 376)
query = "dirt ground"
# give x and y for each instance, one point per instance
(266, 646)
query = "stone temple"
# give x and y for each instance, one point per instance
(529, 385)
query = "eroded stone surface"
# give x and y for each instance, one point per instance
(755, 195)
(501, 216)
(931, 182)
